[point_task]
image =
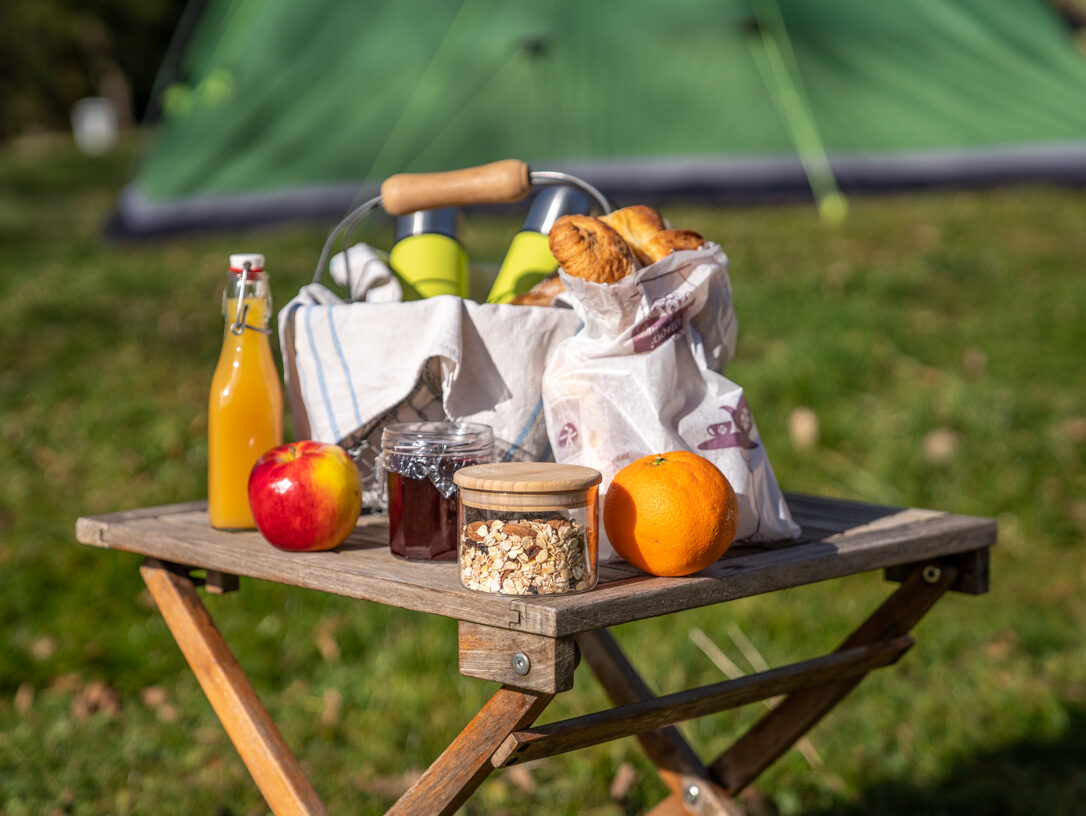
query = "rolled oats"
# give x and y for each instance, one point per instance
(525, 556)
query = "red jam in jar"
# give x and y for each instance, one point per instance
(420, 459)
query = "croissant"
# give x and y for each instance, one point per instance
(588, 248)
(543, 293)
(664, 242)
(636, 225)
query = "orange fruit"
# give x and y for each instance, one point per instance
(670, 513)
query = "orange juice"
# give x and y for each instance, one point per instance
(245, 407)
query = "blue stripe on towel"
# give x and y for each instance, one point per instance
(531, 421)
(320, 371)
(525, 430)
(346, 368)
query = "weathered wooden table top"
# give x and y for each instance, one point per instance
(839, 538)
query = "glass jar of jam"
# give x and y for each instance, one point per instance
(528, 528)
(420, 459)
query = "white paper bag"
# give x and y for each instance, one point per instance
(641, 377)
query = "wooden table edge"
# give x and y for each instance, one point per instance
(563, 616)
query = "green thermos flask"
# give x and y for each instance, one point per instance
(529, 258)
(427, 257)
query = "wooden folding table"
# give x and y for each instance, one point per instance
(531, 645)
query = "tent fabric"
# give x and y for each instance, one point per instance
(283, 109)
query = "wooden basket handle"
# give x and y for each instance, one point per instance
(500, 182)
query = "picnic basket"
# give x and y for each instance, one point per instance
(551, 382)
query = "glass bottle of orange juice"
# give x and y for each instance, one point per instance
(245, 408)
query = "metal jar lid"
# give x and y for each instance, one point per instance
(436, 439)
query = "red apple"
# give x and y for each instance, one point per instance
(305, 496)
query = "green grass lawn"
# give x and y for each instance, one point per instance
(937, 338)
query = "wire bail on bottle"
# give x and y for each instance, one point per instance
(240, 325)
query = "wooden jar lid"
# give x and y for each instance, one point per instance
(527, 477)
(522, 487)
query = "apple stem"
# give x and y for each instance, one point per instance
(293, 451)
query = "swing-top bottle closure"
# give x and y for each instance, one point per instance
(246, 267)
(248, 262)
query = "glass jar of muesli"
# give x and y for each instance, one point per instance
(528, 528)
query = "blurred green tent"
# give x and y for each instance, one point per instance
(274, 109)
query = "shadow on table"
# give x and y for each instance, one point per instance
(1035, 776)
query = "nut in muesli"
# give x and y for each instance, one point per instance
(525, 556)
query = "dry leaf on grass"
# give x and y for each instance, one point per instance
(521, 776)
(325, 639)
(940, 445)
(624, 779)
(24, 698)
(94, 698)
(43, 648)
(153, 696)
(331, 708)
(803, 428)
(1075, 429)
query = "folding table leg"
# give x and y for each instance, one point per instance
(273, 767)
(465, 764)
(693, 791)
(778, 730)
(794, 716)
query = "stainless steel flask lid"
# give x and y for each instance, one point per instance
(551, 203)
(441, 221)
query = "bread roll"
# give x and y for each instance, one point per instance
(588, 248)
(543, 293)
(636, 225)
(664, 242)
